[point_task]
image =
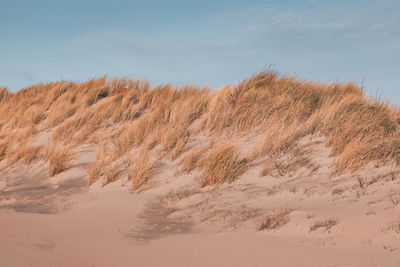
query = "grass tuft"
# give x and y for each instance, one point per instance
(326, 225)
(58, 158)
(141, 170)
(223, 166)
(275, 219)
(191, 160)
(97, 168)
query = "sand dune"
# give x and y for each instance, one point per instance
(61, 222)
(271, 172)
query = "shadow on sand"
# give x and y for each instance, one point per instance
(157, 223)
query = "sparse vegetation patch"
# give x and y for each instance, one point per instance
(275, 220)
(325, 225)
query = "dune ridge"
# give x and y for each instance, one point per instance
(121, 116)
(273, 163)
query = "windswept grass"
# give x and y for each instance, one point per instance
(141, 170)
(223, 166)
(174, 140)
(112, 173)
(25, 153)
(58, 158)
(191, 160)
(97, 168)
(124, 115)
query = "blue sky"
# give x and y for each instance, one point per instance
(208, 43)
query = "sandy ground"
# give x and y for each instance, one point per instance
(59, 221)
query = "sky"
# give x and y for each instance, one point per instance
(206, 43)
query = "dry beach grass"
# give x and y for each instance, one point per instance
(195, 159)
(126, 114)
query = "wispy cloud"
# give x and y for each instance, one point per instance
(260, 25)
(315, 39)
(322, 40)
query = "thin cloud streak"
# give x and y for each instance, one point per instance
(239, 29)
(319, 40)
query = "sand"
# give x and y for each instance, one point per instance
(60, 221)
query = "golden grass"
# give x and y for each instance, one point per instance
(4, 94)
(112, 174)
(280, 139)
(223, 165)
(174, 140)
(32, 154)
(141, 170)
(191, 160)
(98, 168)
(24, 152)
(3, 151)
(127, 114)
(58, 158)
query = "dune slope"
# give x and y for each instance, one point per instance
(274, 171)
